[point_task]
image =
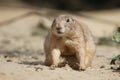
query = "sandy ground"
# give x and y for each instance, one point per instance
(32, 68)
(22, 56)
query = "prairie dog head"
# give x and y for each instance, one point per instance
(63, 25)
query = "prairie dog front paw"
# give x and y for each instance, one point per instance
(69, 42)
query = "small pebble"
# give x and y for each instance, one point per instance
(5, 56)
(8, 60)
(38, 68)
(102, 66)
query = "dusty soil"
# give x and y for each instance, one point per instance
(22, 56)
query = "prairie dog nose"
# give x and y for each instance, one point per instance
(58, 28)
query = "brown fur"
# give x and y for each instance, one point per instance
(68, 37)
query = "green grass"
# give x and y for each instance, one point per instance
(105, 41)
(116, 38)
(40, 30)
(114, 59)
(110, 40)
(116, 35)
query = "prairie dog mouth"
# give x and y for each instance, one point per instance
(60, 32)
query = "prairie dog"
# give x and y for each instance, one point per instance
(68, 37)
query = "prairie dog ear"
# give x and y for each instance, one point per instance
(69, 19)
(73, 20)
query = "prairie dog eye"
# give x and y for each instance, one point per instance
(67, 20)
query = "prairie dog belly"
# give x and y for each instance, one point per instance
(67, 51)
(64, 48)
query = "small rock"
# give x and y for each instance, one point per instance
(35, 57)
(8, 60)
(38, 68)
(102, 66)
(67, 68)
(5, 56)
(52, 67)
(6, 41)
(2, 73)
(117, 62)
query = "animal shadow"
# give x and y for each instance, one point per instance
(32, 63)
